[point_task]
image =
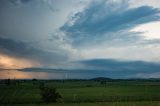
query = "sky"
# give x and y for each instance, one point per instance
(54, 39)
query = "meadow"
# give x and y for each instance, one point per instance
(84, 93)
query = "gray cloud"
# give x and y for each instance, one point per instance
(26, 29)
(105, 65)
(17, 2)
(30, 29)
(119, 65)
(148, 75)
(23, 49)
(106, 68)
(48, 3)
(105, 20)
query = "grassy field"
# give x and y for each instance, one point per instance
(94, 104)
(84, 93)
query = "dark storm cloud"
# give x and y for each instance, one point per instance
(117, 65)
(104, 68)
(23, 49)
(121, 69)
(100, 19)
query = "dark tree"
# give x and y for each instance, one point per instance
(103, 82)
(35, 81)
(8, 82)
(50, 94)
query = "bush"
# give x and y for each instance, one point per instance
(50, 95)
(8, 81)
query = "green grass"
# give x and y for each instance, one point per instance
(86, 93)
(155, 103)
(111, 93)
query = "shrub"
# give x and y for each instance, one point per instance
(8, 81)
(50, 95)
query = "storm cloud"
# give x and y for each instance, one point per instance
(105, 67)
(85, 38)
(24, 50)
(108, 21)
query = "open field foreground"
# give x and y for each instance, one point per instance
(96, 104)
(84, 93)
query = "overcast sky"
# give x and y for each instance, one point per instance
(112, 38)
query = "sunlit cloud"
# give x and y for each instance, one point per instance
(14, 74)
(8, 62)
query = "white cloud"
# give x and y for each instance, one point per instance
(149, 75)
(139, 52)
(153, 3)
(150, 30)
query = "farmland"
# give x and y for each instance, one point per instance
(84, 93)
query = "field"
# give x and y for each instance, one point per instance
(84, 93)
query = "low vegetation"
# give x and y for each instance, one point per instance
(50, 95)
(81, 93)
